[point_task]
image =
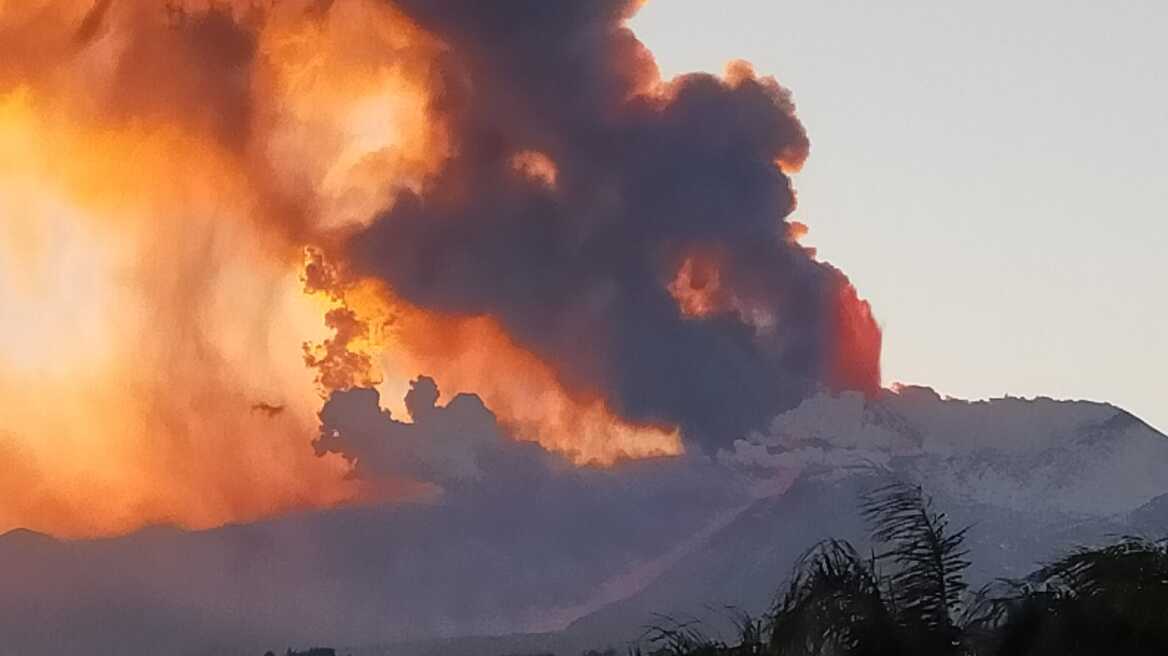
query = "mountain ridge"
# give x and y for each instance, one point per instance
(427, 576)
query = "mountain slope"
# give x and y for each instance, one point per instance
(597, 553)
(1032, 479)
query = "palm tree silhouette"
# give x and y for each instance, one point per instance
(910, 598)
(840, 602)
(1106, 600)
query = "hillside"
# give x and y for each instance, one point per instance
(596, 553)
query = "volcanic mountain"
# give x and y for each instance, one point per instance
(555, 557)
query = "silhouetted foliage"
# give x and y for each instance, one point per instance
(839, 602)
(911, 598)
(1106, 600)
(314, 651)
(927, 582)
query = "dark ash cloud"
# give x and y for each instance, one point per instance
(647, 176)
(453, 446)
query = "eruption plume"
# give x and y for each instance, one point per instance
(214, 215)
(156, 193)
(650, 265)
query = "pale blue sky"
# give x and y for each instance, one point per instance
(992, 175)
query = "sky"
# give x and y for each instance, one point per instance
(990, 175)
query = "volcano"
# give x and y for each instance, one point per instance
(564, 559)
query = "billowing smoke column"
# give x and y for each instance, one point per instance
(197, 198)
(629, 232)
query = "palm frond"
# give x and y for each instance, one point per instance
(1128, 579)
(928, 580)
(1111, 599)
(833, 604)
(671, 636)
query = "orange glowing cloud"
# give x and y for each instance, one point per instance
(697, 287)
(476, 355)
(179, 183)
(388, 341)
(699, 291)
(856, 364)
(161, 167)
(536, 166)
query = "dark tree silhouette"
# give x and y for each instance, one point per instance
(839, 602)
(1106, 600)
(910, 598)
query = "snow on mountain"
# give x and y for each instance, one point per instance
(1074, 457)
(597, 552)
(1033, 478)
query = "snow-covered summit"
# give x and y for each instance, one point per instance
(1074, 457)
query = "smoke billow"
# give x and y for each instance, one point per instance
(162, 166)
(505, 196)
(444, 445)
(628, 231)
